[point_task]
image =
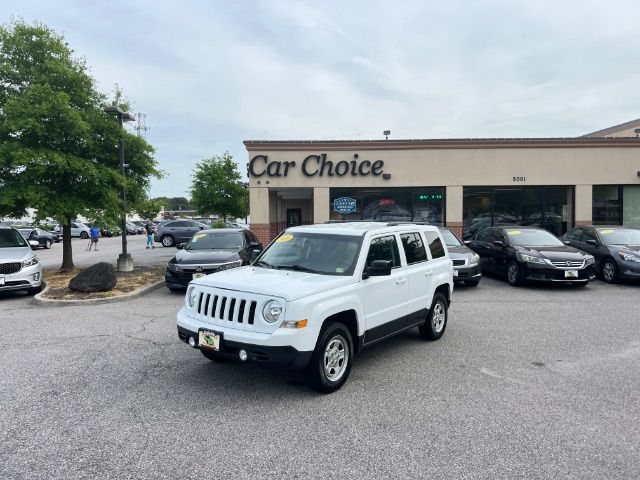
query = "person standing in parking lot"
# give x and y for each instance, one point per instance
(94, 233)
(150, 230)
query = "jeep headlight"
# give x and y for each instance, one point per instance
(629, 257)
(473, 259)
(272, 311)
(589, 260)
(192, 296)
(531, 259)
(30, 262)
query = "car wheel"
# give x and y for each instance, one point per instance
(47, 244)
(214, 357)
(609, 271)
(84, 235)
(471, 283)
(514, 275)
(331, 361)
(33, 291)
(436, 323)
(167, 241)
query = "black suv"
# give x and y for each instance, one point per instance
(529, 253)
(210, 251)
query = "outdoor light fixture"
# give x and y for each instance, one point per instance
(637, 130)
(386, 134)
(125, 262)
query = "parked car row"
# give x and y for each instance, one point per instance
(44, 238)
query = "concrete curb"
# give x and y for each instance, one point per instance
(44, 302)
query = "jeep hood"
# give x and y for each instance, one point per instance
(287, 284)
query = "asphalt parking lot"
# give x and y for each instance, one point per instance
(526, 383)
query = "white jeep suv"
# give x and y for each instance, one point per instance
(319, 294)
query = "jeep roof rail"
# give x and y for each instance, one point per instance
(395, 224)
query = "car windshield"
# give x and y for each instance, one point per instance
(529, 237)
(216, 240)
(312, 252)
(450, 239)
(11, 238)
(620, 236)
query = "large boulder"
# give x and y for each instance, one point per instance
(100, 277)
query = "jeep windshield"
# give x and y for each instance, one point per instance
(312, 252)
(11, 238)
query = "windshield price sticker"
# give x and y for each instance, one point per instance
(514, 232)
(606, 232)
(284, 238)
(198, 236)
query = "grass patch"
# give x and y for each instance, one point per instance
(128, 282)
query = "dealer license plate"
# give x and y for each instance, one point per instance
(198, 275)
(571, 274)
(209, 340)
(1, 280)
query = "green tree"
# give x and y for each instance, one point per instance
(58, 149)
(148, 209)
(217, 187)
(174, 203)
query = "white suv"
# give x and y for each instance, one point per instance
(319, 294)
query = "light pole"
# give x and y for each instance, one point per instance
(125, 262)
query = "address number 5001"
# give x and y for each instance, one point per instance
(519, 179)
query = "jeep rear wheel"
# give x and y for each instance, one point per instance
(436, 322)
(331, 361)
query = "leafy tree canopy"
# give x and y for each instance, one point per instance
(217, 187)
(59, 150)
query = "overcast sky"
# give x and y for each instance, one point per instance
(210, 74)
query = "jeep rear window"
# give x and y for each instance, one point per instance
(312, 252)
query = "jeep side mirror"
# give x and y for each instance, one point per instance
(179, 246)
(592, 242)
(255, 254)
(379, 268)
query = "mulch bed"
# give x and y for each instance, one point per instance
(128, 282)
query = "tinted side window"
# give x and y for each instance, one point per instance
(484, 235)
(435, 245)
(575, 234)
(413, 247)
(589, 235)
(496, 235)
(177, 224)
(384, 248)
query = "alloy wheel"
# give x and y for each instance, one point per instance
(336, 356)
(609, 271)
(438, 318)
(512, 273)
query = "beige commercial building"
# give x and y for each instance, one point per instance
(465, 184)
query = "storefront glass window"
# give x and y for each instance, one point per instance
(547, 207)
(606, 205)
(631, 206)
(389, 204)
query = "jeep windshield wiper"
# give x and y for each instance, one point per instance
(297, 268)
(266, 264)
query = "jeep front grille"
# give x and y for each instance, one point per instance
(8, 268)
(226, 308)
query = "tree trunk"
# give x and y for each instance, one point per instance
(67, 253)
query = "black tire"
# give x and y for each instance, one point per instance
(514, 274)
(167, 241)
(34, 291)
(317, 373)
(214, 357)
(176, 289)
(436, 322)
(471, 283)
(609, 271)
(47, 244)
(84, 235)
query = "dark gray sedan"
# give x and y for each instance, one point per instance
(615, 248)
(466, 263)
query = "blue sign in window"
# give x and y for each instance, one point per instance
(344, 205)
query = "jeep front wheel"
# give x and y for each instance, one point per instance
(331, 361)
(436, 321)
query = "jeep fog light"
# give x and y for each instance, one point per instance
(192, 342)
(272, 311)
(243, 355)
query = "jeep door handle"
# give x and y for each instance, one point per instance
(428, 273)
(401, 281)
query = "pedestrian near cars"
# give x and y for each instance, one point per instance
(150, 231)
(94, 233)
